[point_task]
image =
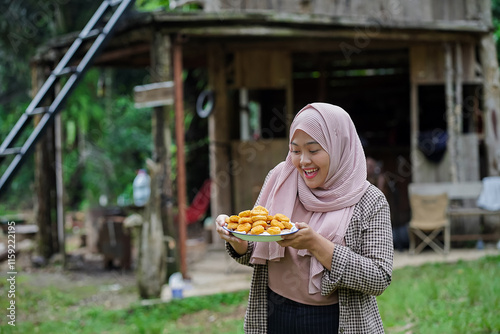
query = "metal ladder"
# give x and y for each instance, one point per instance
(93, 30)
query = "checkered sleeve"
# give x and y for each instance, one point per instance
(241, 259)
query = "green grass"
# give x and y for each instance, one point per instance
(435, 298)
(53, 309)
(444, 298)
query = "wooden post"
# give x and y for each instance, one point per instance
(59, 187)
(450, 115)
(491, 97)
(457, 114)
(218, 132)
(414, 130)
(290, 108)
(45, 179)
(181, 164)
(415, 157)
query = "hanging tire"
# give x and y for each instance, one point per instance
(205, 103)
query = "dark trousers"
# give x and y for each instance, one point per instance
(286, 316)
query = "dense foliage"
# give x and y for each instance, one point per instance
(106, 139)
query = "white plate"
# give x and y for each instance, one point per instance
(261, 237)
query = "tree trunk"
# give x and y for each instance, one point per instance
(158, 217)
(152, 252)
(45, 182)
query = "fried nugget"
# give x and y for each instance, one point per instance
(288, 225)
(281, 217)
(260, 217)
(261, 208)
(244, 220)
(246, 213)
(259, 211)
(257, 229)
(273, 230)
(244, 227)
(234, 218)
(232, 226)
(227, 220)
(260, 223)
(278, 224)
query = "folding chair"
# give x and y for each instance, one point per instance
(429, 218)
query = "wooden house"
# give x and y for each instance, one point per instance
(410, 73)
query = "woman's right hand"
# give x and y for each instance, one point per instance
(240, 246)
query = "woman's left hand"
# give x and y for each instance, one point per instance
(303, 239)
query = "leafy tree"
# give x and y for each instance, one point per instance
(25, 24)
(104, 138)
(106, 141)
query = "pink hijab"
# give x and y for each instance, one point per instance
(331, 205)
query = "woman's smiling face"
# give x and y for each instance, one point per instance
(310, 159)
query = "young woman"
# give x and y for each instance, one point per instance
(324, 278)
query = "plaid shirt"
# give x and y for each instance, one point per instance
(360, 271)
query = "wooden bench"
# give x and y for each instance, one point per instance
(457, 193)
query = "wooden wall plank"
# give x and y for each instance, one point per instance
(326, 7)
(469, 63)
(253, 160)
(426, 64)
(458, 10)
(408, 10)
(262, 69)
(468, 162)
